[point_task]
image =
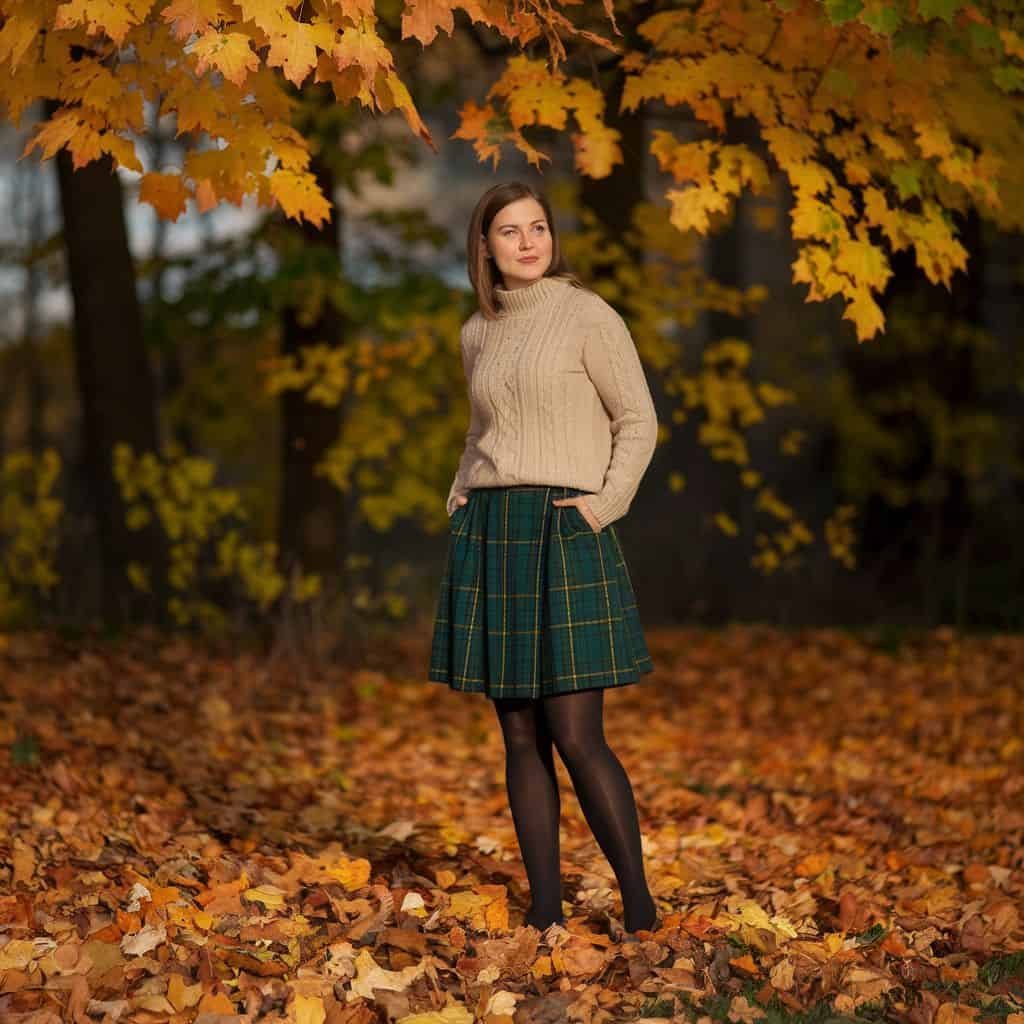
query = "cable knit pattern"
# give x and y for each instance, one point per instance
(558, 396)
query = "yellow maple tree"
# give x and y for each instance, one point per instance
(885, 117)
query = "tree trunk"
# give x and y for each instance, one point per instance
(29, 209)
(112, 371)
(312, 510)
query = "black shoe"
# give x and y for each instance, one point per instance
(544, 923)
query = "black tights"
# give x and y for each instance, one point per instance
(572, 722)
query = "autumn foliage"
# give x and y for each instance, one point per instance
(832, 828)
(884, 117)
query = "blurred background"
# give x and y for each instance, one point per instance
(232, 423)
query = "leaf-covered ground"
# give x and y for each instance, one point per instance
(834, 831)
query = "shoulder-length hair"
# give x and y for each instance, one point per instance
(483, 273)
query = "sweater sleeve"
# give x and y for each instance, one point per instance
(613, 364)
(459, 482)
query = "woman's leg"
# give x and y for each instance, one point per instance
(575, 722)
(534, 801)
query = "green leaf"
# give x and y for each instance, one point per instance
(873, 934)
(907, 179)
(884, 20)
(840, 82)
(1008, 78)
(912, 39)
(985, 37)
(25, 750)
(944, 9)
(841, 11)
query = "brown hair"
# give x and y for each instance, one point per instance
(483, 274)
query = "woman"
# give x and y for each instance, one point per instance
(536, 609)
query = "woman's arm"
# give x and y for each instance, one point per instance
(458, 486)
(613, 364)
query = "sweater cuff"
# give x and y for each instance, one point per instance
(603, 509)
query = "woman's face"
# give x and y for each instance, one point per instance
(519, 240)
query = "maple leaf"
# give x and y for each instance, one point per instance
(191, 17)
(115, 18)
(166, 193)
(362, 47)
(299, 196)
(691, 206)
(88, 81)
(294, 49)
(17, 35)
(534, 94)
(597, 151)
(392, 93)
(269, 16)
(71, 128)
(482, 126)
(422, 18)
(865, 313)
(230, 53)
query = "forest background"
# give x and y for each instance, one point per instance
(224, 408)
(231, 405)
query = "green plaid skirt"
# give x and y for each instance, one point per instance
(533, 601)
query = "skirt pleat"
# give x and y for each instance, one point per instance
(532, 601)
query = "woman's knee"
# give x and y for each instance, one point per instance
(520, 725)
(578, 749)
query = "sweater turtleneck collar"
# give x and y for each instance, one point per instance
(529, 297)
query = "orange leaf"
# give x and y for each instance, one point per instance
(166, 193)
(422, 18)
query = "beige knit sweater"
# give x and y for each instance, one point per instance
(557, 396)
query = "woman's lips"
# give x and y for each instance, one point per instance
(528, 259)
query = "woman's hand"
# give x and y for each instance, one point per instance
(581, 503)
(460, 500)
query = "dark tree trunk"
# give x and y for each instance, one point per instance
(613, 198)
(168, 369)
(312, 510)
(30, 193)
(933, 538)
(112, 369)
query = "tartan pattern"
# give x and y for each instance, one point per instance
(532, 601)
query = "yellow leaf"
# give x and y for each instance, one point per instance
(269, 895)
(453, 1013)
(293, 48)
(300, 196)
(392, 94)
(181, 996)
(268, 16)
(865, 313)
(308, 1009)
(231, 54)
(691, 206)
(110, 17)
(353, 874)
(17, 35)
(726, 524)
(864, 262)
